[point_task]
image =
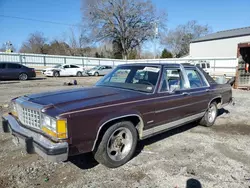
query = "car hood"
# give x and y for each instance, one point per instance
(81, 98)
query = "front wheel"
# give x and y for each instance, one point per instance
(96, 74)
(210, 115)
(56, 74)
(117, 145)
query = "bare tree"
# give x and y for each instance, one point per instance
(36, 43)
(178, 40)
(127, 23)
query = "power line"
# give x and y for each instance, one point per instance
(36, 20)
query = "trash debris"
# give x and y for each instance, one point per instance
(5, 105)
(46, 179)
(74, 82)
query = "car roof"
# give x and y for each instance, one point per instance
(185, 65)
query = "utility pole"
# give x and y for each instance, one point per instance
(156, 33)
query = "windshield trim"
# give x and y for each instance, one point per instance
(120, 66)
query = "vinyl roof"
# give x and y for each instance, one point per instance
(224, 34)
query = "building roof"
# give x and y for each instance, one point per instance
(225, 34)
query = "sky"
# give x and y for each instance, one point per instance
(218, 14)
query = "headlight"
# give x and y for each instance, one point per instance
(13, 108)
(54, 127)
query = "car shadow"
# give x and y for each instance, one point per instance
(222, 111)
(141, 144)
(9, 82)
(84, 161)
(38, 78)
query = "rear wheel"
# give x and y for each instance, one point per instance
(210, 115)
(96, 74)
(56, 74)
(23, 76)
(79, 74)
(117, 145)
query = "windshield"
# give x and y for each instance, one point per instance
(138, 78)
(95, 68)
(57, 66)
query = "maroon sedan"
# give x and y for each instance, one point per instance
(133, 102)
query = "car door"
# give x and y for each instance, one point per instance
(12, 70)
(101, 70)
(74, 69)
(199, 90)
(65, 71)
(2, 70)
(172, 105)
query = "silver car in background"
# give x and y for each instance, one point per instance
(99, 70)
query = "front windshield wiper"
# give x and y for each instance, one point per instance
(125, 88)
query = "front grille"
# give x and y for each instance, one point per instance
(28, 117)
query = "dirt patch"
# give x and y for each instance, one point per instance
(232, 128)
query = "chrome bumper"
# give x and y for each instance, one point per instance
(34, 142)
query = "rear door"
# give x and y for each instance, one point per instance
(101, 70)
(174, 99)
(12, 70)
(199, 90)
(74, 69)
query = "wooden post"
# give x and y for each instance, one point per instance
(236, 83)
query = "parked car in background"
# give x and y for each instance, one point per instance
(205, 65)
(99, 70)
(64, 70)
(16, 71)
(133, 102)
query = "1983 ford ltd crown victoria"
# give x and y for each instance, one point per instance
(131, 103)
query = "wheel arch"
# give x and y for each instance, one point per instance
(134, 118)
(218, 99)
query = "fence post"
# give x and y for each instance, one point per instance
(65, 61)
(44, 60)
(113, 64)
(214, 67)
(20, 59)
(83, 62)
(99, 62)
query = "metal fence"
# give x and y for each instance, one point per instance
(219, 66)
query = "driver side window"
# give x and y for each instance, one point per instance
(172, 80)
(66, 66)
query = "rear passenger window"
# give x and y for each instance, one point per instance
(195, 79)
(208, 65)
(73, 66)
(13, 66)
(172, 80)
(203, 65)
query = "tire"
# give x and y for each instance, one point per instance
(210, 115)
(118, 145)
(79, 74)
(56, 74)
(23, 77)
(96, 74)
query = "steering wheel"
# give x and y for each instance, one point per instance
(146, 82)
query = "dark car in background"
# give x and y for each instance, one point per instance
(15, 71)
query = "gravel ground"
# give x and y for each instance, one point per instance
(214, 157)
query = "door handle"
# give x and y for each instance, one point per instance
(185, 93)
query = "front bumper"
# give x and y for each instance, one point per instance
(34, 142)
(48, 73)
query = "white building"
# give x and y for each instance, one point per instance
(219, 44)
